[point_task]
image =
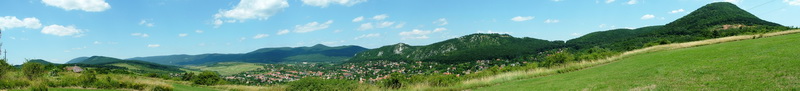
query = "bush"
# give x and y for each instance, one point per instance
(10, 84)
(161, 88)
(207, 78)
(38, 88)
(444, 80)
(87, 78)
(395, 81)
(4, 67)
(32, 69)
(319, 84)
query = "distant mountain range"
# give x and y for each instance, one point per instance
(316, 53)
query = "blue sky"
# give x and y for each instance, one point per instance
(59, 30)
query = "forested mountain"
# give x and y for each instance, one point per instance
(316, 53)
(713, 20)
(466, 48)
(40, 61)
(76, 60)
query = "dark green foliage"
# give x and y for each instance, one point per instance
(4, 67)
(316, 53)
(77, 60)
(463, 49)
(106, 61)
(32, 69)
(558, 58)
(595, 53)
(9, 84)
(713, 14)
(444, 80)
(207, 78)
(395, 81)
(187, 76)
(319, 84)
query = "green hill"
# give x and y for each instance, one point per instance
(40, 61)
(316, 53)
(77, 60)
(132, 65)
(761, 64)
(462, 49)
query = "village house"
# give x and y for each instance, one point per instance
(75, 69)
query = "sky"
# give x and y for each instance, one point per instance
(60, 30)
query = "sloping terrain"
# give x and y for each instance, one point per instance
(760, 64)
(316, 53)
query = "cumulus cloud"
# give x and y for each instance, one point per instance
(367, 36)
(85, 5)
(385, 24)
(143, 35)
(522, 18)
(631, 2)
(792, 2)
(676, 11)
(250, 9)
(551, 21)
(258, 36)
(493, 32)
(146, 23)
(198, 31)
(8, 22)
(59, 30)
(415, 34)
(648, 16)
(365, 26)
(609, 1)
(153, 45)
(325, 3)
(439, 29)
(313, 26)
(183, 35)
(281, 32)
(400, 25)
(440, 22)
(380, 17)
(358, 19)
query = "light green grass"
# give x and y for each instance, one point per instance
(181, 87)
(229, 68)
(771, 63)
(68, 89)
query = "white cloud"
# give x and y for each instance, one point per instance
(313, 26)
(281, 32)
(144, 35)
(368, 35)
(198, 31)
(440, 22)
(8, 22)
(258, 36)
(493, 32)
(385, 24)
(145, 23)
(85, 5)
(337, 31)
(325, 3)
(557, 0)
(153, 45)
(439, 29)
(609, 1)
(631, 2)
(183, 35)
(521, 18)
(400, 25)
(59, 30)
(551, 21)
(97, 42)
(380, 17)
(358, 19)
(648, 16)
(250, 9)
(365, 26)
(792, 2)
(676, 11)
(415, 34)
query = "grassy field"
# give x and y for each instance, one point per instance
(771, 63)
(229, 68)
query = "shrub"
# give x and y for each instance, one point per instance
(32, 69)
(319, 84)
(4, 67)
(207, 78)
(161, 88)
(87, 78)
(10, 84)
(444, 80)
(38, 88)
(395, 81)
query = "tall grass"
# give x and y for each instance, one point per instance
(573, 66)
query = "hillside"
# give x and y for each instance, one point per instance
(759, 64)
(132, 65)
(462, 49)
(316, 53)
(77, 60)
(40, 61)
